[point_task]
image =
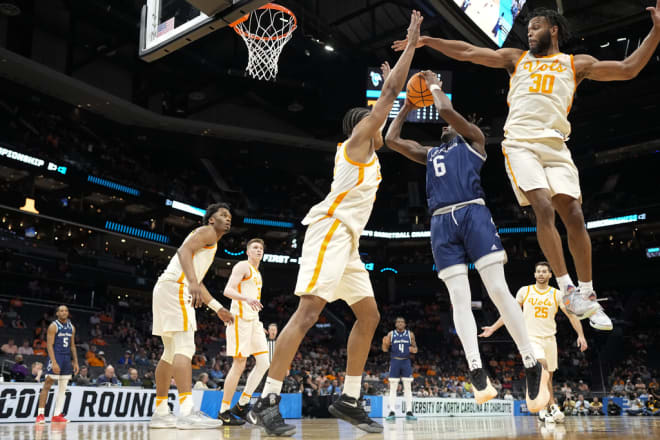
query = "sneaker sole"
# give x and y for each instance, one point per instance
(484, 396)
(288, 433)
(543, 396)
(197, 427)
(588, 314)
(367, 428)
(605, 328)
(162, 426)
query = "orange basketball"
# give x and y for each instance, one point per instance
(417, 92)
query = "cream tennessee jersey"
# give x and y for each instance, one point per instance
(202, 260)
(539, 309)
(250, 288)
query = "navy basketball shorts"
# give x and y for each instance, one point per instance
(400, 368)
(64, 361)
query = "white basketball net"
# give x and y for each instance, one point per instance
(265, 33)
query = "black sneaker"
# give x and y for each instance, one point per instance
(240, 411)
(348, 408)
(483, 390)
(252, 418)
(267, 412)
(537, 395)
(229, 419)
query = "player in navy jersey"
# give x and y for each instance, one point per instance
(462, 231)
(400, 342)
(62, 363)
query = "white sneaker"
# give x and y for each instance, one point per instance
(163, 421)
(579, 303)
(542, 415)
(197, 420)
(600, 320)
(556, 414)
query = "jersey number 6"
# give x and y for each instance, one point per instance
(439, 166)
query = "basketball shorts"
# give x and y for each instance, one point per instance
(400, 368)
(245, 338)
(540, 164)
(463, 236)
(172, 309)
(545, 348)
(65, 364)
(330, 265)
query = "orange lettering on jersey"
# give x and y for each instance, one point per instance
(541, 302)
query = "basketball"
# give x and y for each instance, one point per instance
(417, 92)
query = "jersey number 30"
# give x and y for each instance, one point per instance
(439, 166)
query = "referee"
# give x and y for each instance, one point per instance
(270, 339)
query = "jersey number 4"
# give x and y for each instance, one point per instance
(439, 166)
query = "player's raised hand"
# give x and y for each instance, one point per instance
(487, 331)
(226, 316)
(431, 78)
(414, 28)
(582, 343)
(655, 14)
(386, 69)
(255, 304)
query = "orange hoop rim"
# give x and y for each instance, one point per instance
(275, 6)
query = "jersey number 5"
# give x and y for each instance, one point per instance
(65, 342)
(439, 166)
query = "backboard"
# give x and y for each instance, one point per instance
(168, 25)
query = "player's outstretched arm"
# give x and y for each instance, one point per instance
(409, 148)
(460, 50)
(240, 272)
(589, 67)
(413, 343)
(387, 341)
(577, 326)
(203, 236)
(489, 330)
(462, 126)
(359, 143)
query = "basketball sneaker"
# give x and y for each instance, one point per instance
(41, 420)
(410, 417)
(542, 415)
(556, 413)
(600, 320)
(537, 394)
(240, 411)
(483, 390)
(251, 417)
(349, 409)
(229, 419)
(58, 419)
(391, 417)
(163, 421)
(267, 412)
(579, 303)
(197, 420)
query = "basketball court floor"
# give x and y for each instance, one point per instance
(331, 429)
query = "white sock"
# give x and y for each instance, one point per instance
(564, 281)
(394, 385)
(186, 404)
(272, 386)
(352, 386)
(61, 396)
(586, 286)
(162, 408)
(254, 378)
(498, 290)
(225, 405)
(407, 392)
(40, 412)
(466, 326)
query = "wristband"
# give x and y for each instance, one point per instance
(214, 305)
(435, 86)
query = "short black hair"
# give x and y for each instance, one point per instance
(352, 118)
(400, 317)
(212, 209)
(543, 263)
(555, 19)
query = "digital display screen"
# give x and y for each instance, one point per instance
(494, 17)
(428, 114)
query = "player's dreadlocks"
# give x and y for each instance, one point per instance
(351, 119)
(555, 19)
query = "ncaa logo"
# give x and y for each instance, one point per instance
(376, 78)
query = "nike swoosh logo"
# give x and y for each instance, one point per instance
(353, 405)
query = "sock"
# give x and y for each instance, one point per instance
(498, 290)
(564, 281)
(272, 386)
(161, 406)
(40, 412)
(466, 326)
(394, 384)
(407, 392)
(61, 396)
(586, 286)
(254, 378)
(352, 386)
(226, 404)
(185, 403)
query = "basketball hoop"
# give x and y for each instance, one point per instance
(265, 31)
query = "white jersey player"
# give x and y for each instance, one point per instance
(539, 164)
(245, 337)
(540, 303)
(177, 293)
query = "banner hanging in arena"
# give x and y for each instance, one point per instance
(446, 407)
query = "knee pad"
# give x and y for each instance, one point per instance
(168, 350)
(184, 344)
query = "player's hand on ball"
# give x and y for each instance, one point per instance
(226, 316)
(386, 69)
(582, 343)
(56, 368)
(255, 304)
(431, 78)
(487, 331)
(76, 369)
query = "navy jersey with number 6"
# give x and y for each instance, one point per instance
(400, 344)
(453, 174)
